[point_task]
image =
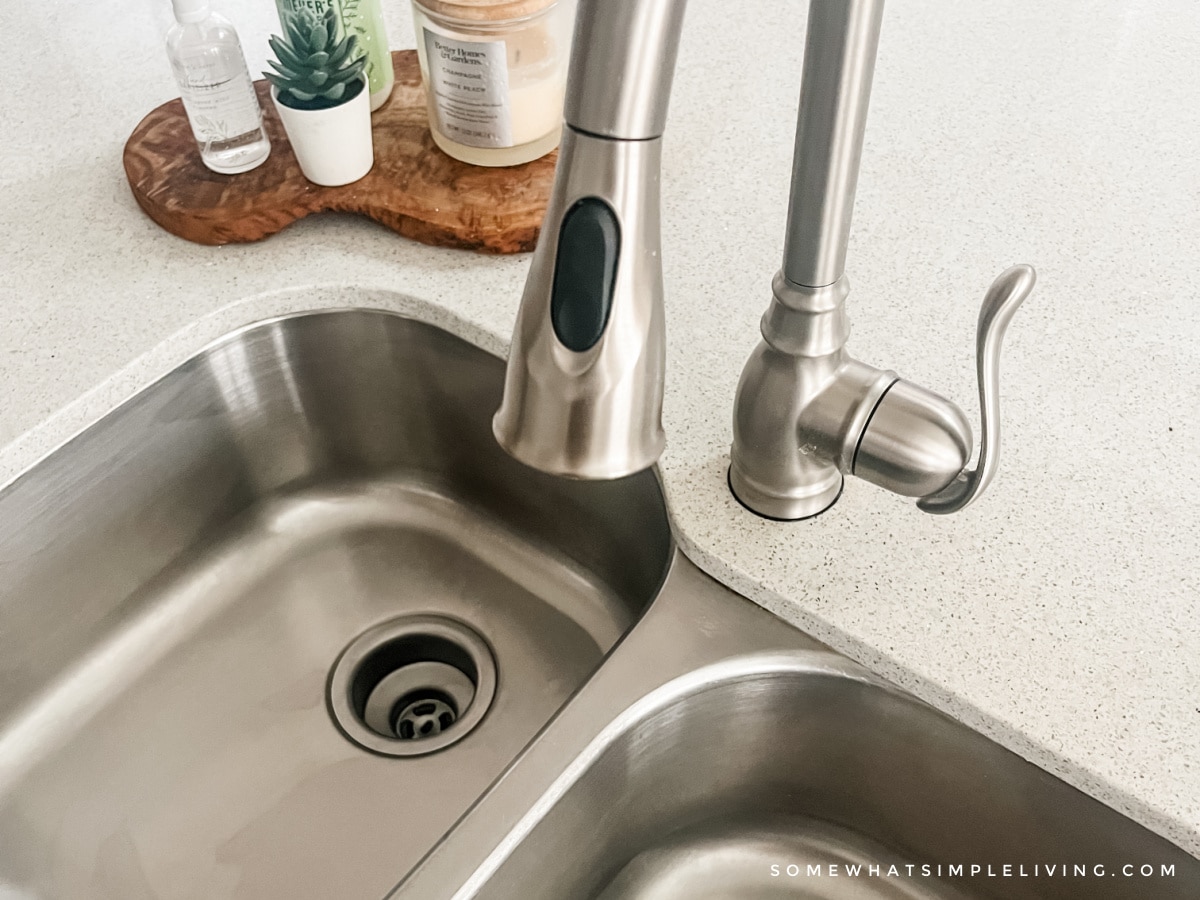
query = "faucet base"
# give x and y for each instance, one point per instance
(801, 404)
(791, 507)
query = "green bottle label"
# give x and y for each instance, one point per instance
(289, 10)
(362, 18)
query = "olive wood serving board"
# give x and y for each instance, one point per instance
(414, 188)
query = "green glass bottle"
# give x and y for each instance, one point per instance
(365, 19)
(362, 18)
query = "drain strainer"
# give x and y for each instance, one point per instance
(424, 718)
(412, 685)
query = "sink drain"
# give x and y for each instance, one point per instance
(412, 685)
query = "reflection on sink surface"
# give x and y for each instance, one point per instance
(177, 582)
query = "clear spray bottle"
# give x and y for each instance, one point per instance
(217, 92)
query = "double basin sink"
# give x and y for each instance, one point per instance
(289, 624)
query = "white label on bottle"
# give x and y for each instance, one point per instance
(469, 86)
(218, 96)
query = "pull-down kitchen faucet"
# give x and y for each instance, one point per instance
(583, 390)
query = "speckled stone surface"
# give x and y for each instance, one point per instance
(1059, 615)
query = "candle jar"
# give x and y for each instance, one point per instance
(495, 72)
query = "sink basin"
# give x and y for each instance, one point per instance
(735, 786)
(720, 754)
(178, 582)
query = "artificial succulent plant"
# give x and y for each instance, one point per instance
(317, 69)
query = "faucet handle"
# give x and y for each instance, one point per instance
(1007, 292)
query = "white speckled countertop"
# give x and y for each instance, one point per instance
(1059, 615)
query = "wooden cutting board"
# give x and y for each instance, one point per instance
(414, 188)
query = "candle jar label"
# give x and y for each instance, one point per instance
(468, 84)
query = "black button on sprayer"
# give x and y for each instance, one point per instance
(589, 244)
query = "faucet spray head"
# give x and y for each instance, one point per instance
(583, 388)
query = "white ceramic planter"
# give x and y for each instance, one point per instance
(333, 146)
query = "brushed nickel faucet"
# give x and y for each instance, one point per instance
(583, 388)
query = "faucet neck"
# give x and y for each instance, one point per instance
(619, 86)
(839, 64)
(622, 63)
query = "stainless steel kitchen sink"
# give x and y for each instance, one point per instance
(177, 583)
(288, 624)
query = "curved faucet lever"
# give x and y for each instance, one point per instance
(1007, 292)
